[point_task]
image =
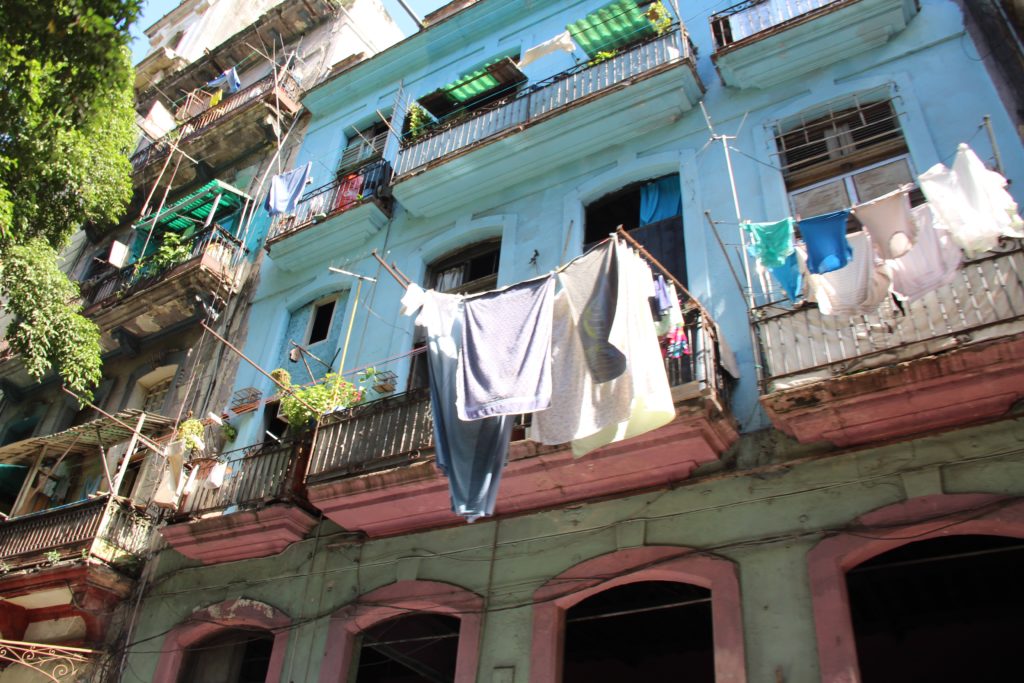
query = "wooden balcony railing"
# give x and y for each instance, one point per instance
(344, 193)
(254, 476)
(204, 120)
(985, 300)
(213, 241)
(394, 430)
(751, 17)
(544, 99)
(71, 529)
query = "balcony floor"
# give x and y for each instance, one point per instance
(970, 384)
(337, 233)
(811, 41)
(414, 497)
(241, 535)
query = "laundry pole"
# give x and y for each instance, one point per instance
(745, 254)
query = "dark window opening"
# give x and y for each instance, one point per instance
(475, 89)
(12, 477)
(411, 649)
(274, 427)
(662, 231)
(321, 327)
(946, 609)
(363, 146)
(647, 631)
(20, 430)
(233, 657)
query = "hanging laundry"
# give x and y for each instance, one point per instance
(931, 263)
(592, 283)
(672, 316)
(285, 190)
(560, 43)
(889, 222)
(857, 288)
(227, 80)
(215, 479)
(661, 295)
(825, 238)
(652, 405)
(790, 277)
(216, 97)
(585, 405)
(770, 243)
(349, 192)
(505, 366)
(471, 454)
(972, 202)
(660, 199)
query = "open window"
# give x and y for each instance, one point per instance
(234, 656)
(365, 144)
(646, 631)
(651, 211)
(849, 151)
(409, 649)
(943, 609)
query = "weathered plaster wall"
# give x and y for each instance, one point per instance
(764, 521)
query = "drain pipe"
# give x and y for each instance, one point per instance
(408, 10)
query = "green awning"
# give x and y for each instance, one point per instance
(615, 25)
(489, 78)
(193, 209)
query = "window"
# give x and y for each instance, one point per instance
(363, 146)
(651, 211)
(236, 656)
(156, 394)
(943, 609)
(646, 631)
(421, 647)
(486, 83)
(839, 155)
(320, 327)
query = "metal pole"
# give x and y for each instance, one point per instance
(126, 460)
(152, 445)
(987, 120)
(351, 322)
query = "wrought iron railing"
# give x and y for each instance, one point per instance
(60, 533)
(338, 196)
(395, 430)
(253, 476)
(546, 98)
(751, 17)
(199, 123)
(213, 242)
(984, 300)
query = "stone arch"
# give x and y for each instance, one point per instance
(892, 526)
(633, 565)
(397, 599)
(239, 613)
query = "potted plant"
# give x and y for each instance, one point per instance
(381, 381)
(302, 407)
(191, 433)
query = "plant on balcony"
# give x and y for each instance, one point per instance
(602, 56)
(228, 431)
(418, 121)
(191, 433)
(332, 393)
(52, 556)
(659, 17)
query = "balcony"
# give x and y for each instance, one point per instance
(214, 135)
(337, 217)
(951, 359)
(761, 43)
(257, 511)
(372, 470)
(555, 120)
(134, 302)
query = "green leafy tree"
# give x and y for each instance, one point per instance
(66, 125)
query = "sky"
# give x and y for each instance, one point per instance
(154, 9)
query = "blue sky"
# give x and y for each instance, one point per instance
(154, 9)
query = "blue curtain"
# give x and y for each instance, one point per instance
(660, 199)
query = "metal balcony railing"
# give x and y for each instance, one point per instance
(985, 300)
(344, 193)
(396, 430)
(204, 120)
(70, 529)
(546, 98)
(213, 242)
(751, 17)
(253, 476)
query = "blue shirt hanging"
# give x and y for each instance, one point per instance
(228, 80)
(285, 190)
(825, 237)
